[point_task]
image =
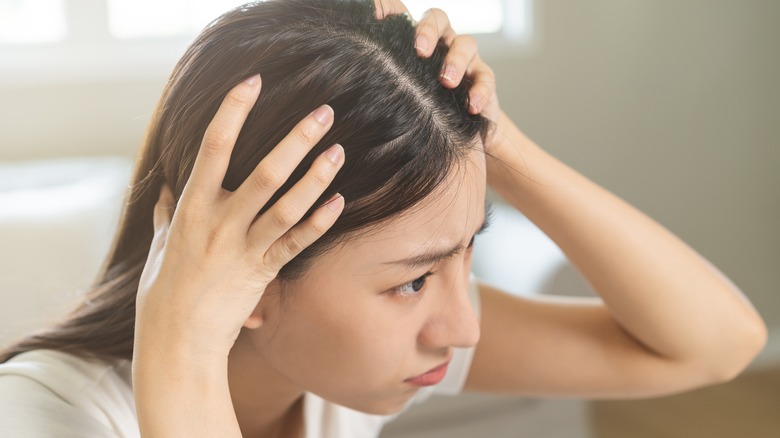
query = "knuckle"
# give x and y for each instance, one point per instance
(189, 214)
(438, 12)
(213, 142)
(266, 178)
(306, 133)
(269, 261)
(319, 227)
(430, 30)
(440, 17)
(490, 87)
(283, 216)
(456, 59)
(237, 98)
(467, 39)
(426, 26)
(214, 241)
(265, 271)
(484, 84)
(323, 179)
(292, 245)
(482, 69)
(323, 176)
(479, 87)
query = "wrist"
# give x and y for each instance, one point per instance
(158, 351)
(160, 328)
(507, 138)
(178, 391)
(162, 360)
(519, 170)
(509, 157)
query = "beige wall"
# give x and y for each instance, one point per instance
(675, 106)
(672, 105)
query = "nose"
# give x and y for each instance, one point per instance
(453, 321)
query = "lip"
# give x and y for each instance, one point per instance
(430, 377)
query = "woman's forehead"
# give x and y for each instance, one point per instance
(449, 216)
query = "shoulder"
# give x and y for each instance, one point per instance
(51, 393)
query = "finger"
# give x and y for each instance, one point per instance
(458, 59)
(291, 207)
(213, 157)
(433, 26)
(383, 8)
(304, 234)
(483, 88)
(277, 166)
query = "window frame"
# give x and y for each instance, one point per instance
(74, 58)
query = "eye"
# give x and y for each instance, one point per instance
(413, 287)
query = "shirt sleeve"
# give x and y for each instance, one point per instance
(29, 409)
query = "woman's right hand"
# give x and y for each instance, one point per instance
(211, 260)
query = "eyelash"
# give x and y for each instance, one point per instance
(399, 290)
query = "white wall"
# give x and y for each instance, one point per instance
(672, 105)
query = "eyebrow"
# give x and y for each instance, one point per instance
(433, 257)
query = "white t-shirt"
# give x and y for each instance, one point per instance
(47, 393)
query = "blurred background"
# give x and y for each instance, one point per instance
(673, 106)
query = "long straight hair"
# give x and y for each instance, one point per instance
(402, 131)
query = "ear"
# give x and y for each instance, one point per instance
(269, 302)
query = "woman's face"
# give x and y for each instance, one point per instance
(361, 321)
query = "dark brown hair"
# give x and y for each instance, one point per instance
(402, 132)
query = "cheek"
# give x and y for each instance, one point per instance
(340, 343)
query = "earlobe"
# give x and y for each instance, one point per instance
(256, 319)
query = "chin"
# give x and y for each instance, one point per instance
(388, 406)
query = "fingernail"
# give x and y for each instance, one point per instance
(252, 79)
(334, 153)
(323, 114)
(422, 44)
(449, 73)
(333, 203)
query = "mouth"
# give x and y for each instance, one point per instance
(430, 377)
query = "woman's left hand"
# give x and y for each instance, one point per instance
(462, 60)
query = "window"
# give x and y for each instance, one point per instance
(156, 18)
(163, 18)
(31, 21)
(466, 16)
(83, 40)
(24, 21)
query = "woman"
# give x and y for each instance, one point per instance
(296, 261)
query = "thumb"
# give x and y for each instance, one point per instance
(161, 218)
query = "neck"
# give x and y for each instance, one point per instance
(265, 402)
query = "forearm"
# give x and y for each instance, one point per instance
(178, 397)
(657, 288)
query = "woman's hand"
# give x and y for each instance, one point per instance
(462, 60)
(210, 262)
